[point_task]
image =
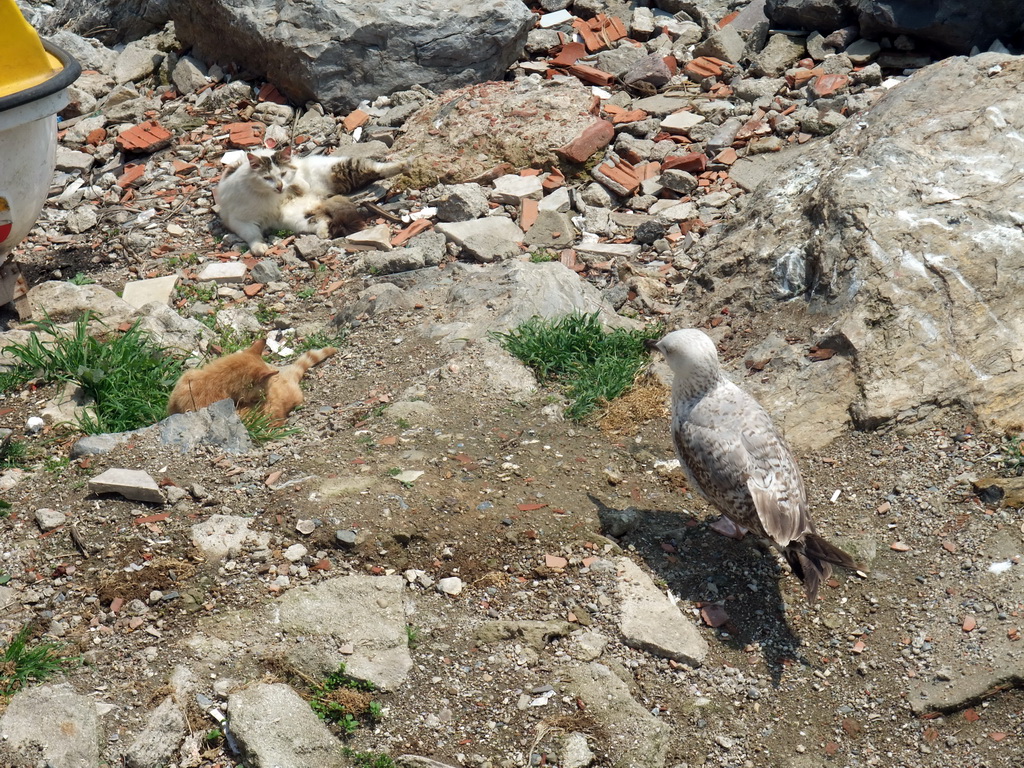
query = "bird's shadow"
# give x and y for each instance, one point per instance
(734, 580)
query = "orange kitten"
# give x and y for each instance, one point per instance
(247, 379)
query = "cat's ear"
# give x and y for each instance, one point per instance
(258, 347)
(265, 376)
(254, 160)
(285, 154)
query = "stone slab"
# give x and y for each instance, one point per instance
(133, 484)
(142, 292)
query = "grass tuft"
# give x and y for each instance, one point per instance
(345, 701)
(574, 352)
(20, 664)
(368, 759)
(125, 374)
(262, 428)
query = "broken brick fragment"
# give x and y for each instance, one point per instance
(827, 85)
(354, 119)
(244, 135)
(570, 54)
(132, 173)
(144, 137)
(702, 67)
(693, 162)
(595, 136)
(591, 75)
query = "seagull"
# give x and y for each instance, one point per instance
(736, 459)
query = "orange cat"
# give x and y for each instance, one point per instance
(247, 379)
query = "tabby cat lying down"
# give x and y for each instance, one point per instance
(247, 379)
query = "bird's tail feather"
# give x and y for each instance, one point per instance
(812, 559)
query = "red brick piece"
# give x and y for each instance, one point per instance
(144, 137)
(826, 85)
(354, 119)
(96, 137)
(269, 92)
(411, 231)
(694, 162)
(590, 40)
(243, 135)
(591, 75)
(595, 136)
(703, 66)
(132, 173)
(553, 180)
(528, 214)
(570, 54)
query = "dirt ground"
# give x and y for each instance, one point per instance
(504, 486)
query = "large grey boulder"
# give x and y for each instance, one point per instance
(892, 245)
(339, 52)
(952, 24)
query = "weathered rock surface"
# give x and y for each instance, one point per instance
(71, 737)
(465, 133)
(222, 536)
(650, 622)
(892, 245)
(158, 742)
(274, 727)
(133, 484)
(336, 612)
(636, 737)
(110, 21)
(954, 25)
(339, 52)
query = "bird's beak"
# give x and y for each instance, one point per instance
(652, 345)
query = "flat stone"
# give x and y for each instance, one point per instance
(72, 161)
(450, 586)
(535, 634)
(650, 622)
(223, 272)
(552, 229)
(141, 292)
(135, 62)
(274, 726)
(662, 104)
(609, 250)
(378, 236)
(48, 519)
(367, 612)
(487, 239)
(50, 725)
(681, 122)
(636, 737)
(82, 219)
(265, 271)
(549, 20)
(512, 189)
(726, 44)
(222, 536)
(133, 484)
(556, 201)
(968, 687)
(189, 75)
(863, 51)
(462, 202)
(159, 741)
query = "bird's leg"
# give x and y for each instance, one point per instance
(727, 527)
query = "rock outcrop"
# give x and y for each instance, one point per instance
(893, 245)
(339, 52)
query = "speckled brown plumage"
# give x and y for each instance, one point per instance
(734, 457)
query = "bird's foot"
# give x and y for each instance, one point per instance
(727, 527)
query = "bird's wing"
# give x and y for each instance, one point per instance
(730, 443)
(774, 481)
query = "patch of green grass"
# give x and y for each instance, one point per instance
(412, 635)
(306, 292)
(543, 254)
(403, 423)
(13, 453)
(193, 293)
(394, 471)
(368, 759)
(1011, 454)
(21, 664)
(126, 375)
(262, 428)
(319, 341)
(345, 701)
(283, 232)
(266, 315)
(575, 353)
(81, 279)
(191, 260)
(5, 511)
(56, 464)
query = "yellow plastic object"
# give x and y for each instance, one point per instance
(23, 62)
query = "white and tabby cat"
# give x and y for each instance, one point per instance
(274, 190)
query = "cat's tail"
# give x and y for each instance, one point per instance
(307, 360)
